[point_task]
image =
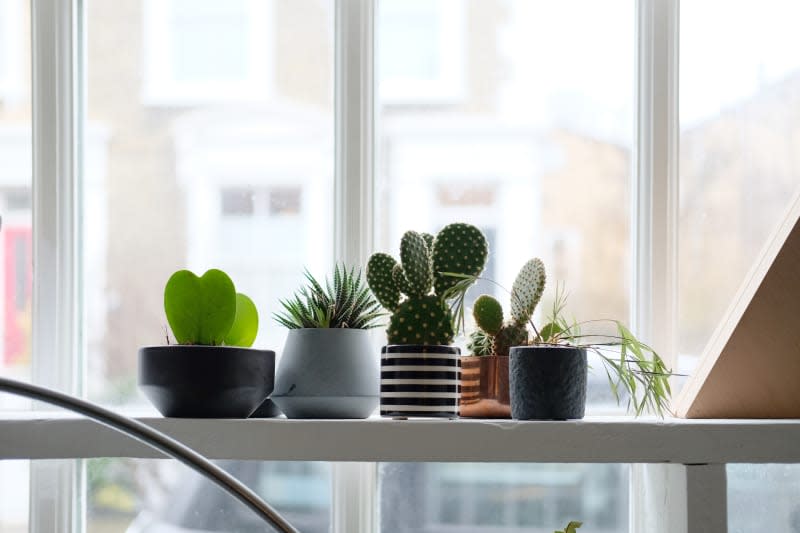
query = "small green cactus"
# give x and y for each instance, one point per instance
(404, 288)
(525, 295)
(488, 314)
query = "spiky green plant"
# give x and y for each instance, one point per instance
(525, 295)
(346, 303)
(633, 368)
(426, 302)
(571, 527)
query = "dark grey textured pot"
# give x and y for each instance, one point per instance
(206, 381)
(547, 382)
(327, 373)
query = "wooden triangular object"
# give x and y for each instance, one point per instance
(751, 366)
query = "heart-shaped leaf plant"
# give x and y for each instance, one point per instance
(207, 310)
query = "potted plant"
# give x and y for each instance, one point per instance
(327, 370)
(484, 374)
(547, 371)
(420, 370)
(211, 372)
(547, 376)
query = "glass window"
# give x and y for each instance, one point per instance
(14, 479)
(16, 245)
(537, 153)
(140, 496)
(491, 497)
(247, 189)
(760, 495)
(739, 163)
(201, 51)
(421, 52)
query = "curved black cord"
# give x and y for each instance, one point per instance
(156, 439)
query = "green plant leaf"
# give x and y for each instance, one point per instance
(245, 326)
(200, 310)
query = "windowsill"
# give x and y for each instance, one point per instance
(52, 435)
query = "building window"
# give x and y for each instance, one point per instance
(421, 54)
(201, 51)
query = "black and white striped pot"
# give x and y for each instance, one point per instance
(420, 380)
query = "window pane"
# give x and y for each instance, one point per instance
(512, 498)
(739, 163)
(14, 479)
(185, 170)
(15, 196)
(763, 494)
(515, 116)
(140, 496)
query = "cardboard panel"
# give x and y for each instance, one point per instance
(751, 366)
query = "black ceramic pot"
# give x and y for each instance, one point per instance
(547, 382)
(206, 381)
(420, 380)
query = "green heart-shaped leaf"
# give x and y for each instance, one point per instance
(200, 310)
(245, 326)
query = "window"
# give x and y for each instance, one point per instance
(12, 52)
(197, 52)
(422, 51)
(263, 137)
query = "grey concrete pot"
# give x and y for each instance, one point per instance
(327, 373)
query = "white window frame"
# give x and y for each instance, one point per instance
(694, 494)
(161, 88)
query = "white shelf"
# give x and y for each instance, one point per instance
(592, 440)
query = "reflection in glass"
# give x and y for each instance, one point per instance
(763, 498)
(490, 497)
(153, 496)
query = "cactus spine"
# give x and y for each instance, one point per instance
(420, 316)
(525, 295)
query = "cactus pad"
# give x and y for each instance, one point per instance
(508, 336)
(527, 291)
(421, 320)
(399, 278)
(428, 241)
(459, 248)
(416, 261)
(379, 279)
(488, 314)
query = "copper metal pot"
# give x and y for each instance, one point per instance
(484, 387)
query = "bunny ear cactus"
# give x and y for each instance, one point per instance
(414, 290)
(525, 295)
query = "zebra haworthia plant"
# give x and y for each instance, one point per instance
(432, 273)
(347, 303)
(496, 337)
